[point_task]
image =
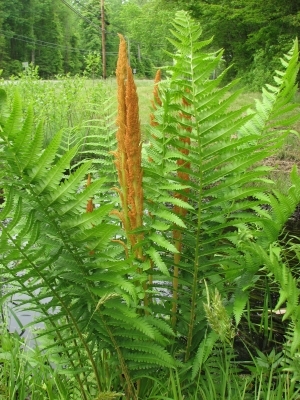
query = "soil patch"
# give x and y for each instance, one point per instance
(279, 165)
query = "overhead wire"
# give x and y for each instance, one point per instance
(43, 43)
(79, 14)
(38, 42)
(84, 17)
(86, 8)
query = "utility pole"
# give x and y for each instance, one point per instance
(103, 39)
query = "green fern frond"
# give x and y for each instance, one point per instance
(69, 186)
(14, 121)
(158, 261)
(162, 242)
(240, 301)
(153, 350)
(203, 352)
(45, 159)
(53, 179)
(219, 169)
(35, 148)
(22, 142)
(77, 204)
(3, 105)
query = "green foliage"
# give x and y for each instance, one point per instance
(50, 242)
(135, 20)
(149, 326)
(70, 104)
(59, 35)
(40, 32)
(222, 166)
(92, 65)
(253, 33)
(25, 372)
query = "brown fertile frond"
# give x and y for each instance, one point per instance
(128, 157)
(157, 79)
(120, 153)
(133, 148)
(122, 244)
(89, 180)
(121, 74)
(119, 214)
(90, 206)
(156, 99)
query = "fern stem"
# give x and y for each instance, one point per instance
(131, 390)
(177, 235)
(175, 281)
(90, 205)
(155, 102)
(198, 235)
(194, 293)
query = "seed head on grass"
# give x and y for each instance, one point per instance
(217, 316)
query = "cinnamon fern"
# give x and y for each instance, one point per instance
(207, 159)
(120, 285)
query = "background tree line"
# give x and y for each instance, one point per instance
(64, 36)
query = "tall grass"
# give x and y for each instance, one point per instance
(66, 102)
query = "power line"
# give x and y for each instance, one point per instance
(82, 16)
(42, 43)
(28, 23)
(79, 14)
(86, 8)
(39, 42)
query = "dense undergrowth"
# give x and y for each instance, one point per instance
(157, 269)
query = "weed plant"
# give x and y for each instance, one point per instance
(142, 262)
(66, 103)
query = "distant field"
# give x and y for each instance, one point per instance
(69, 102)
(145, 94)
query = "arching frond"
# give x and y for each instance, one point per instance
(214, 151)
